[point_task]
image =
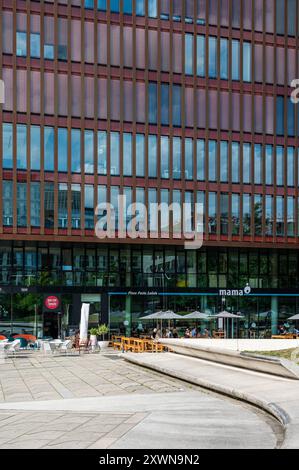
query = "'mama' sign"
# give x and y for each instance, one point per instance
(235, 292)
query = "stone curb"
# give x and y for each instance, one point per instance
(271, 408)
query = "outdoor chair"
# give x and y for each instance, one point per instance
(12, 347)
(46, 347)
(65, 346)
(83, 346)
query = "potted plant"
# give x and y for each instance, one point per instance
(93, 338)
(102, 331)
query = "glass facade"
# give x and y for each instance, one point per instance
(163, 102)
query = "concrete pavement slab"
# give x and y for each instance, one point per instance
(276, 395)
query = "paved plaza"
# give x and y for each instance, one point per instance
(100, 402)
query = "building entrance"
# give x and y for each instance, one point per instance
(51, 325)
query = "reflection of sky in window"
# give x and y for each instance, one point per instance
(88, 151)
(102, 153)
(21, 146)
(21, 44)
(76, 149)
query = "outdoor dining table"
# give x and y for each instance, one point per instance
(55, 344)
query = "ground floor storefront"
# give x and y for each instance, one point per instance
(124, 283)
(263, 313)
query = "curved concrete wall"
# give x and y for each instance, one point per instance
(234, 358)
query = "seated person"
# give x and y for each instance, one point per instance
(187, 333)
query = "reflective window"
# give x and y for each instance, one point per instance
(224, 214)
(235, 162)
(152, 103)
(212, 213)
(89, 206)
(189, 54)
(280, 216)
(258, 212)
(114, 6)
(21, 147)
(35, 204)
(201, 160)
(269, 215)
(7, 200)
(102, 153)
(127, 7)
(140, 155)
(291, 166)
(164, 157)
(247, 62)
(152, 8)
(35, 148)
(49, 205)
(224, 59)
(164, 104)
(235, 214)
(212, 57)
(21, 204)
(224, 162)
(140, 8)
(76, 205)
(247, 163)
(201, 54)
(188, 159)
(127, 154)
(176, 158)
(280, 16)
(269, 165)
(21, 44)
(258, 164)
(88, 152)
(76, 150)
(35, 45)
(7, 144)
(62, 149)
(152, 156)
(235, 60)
(246, 214)
(212, 160)
(62, 206)
(291, 216)
(176, 105)
(49, 148)
(280, 115)
(279, 166)
(114, 153)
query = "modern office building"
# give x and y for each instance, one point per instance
(163, 101)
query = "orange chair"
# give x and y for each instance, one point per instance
(29, 338)
(2, 337)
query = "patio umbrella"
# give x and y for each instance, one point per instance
(295, 317)
(84, 322)
(196, 316)
(228, 316)
(153, 316)
(169, 315)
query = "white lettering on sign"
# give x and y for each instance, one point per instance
(235, 292)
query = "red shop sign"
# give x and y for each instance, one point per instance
(52, 302)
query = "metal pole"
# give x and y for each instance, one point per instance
(35, 320)
(11, 313)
